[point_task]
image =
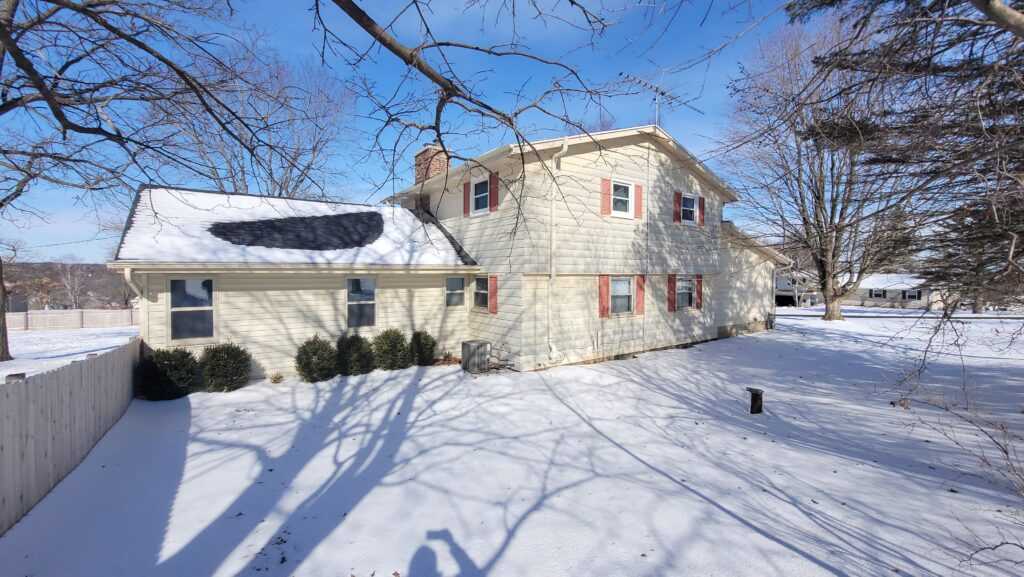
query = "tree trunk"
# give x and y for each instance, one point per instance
(833, 310)
(5, 349)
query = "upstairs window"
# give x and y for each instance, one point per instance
(455, 291)
(362, 302)
(622, 200)
(688, 209)
(622, 294)
(684, 293)
(191, 309)
(481, 196)
(480, 294)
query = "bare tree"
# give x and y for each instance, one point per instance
(295, 115)
(803, 186)
(79, 81)
(9, 250)
(955, 67)
(447, 90)
(72, 278)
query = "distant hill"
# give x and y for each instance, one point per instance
(40, 285)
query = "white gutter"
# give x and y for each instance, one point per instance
(556, 171)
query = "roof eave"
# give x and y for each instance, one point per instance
(143, 266)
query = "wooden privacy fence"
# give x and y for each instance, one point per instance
(50, 421)
(72, 319)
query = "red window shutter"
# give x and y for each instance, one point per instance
(492, 192)
(640, 282)
(606, 197)
(638, 202)
(492, 295)
(465, 199)
(671, 293)
(677, 207)
(699, 289)
(700, 215)
(603, 296)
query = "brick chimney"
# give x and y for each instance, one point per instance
(430, 161)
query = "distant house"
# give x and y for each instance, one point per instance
(894, 290)
(577, 249)
(796, 288)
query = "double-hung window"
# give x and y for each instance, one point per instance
(191, 309)
(481, 196)
(688, 209)
(480, 293)
(684, 292)
(622, 294)
(912, 295)
(622, 199)
(454, 291)
(877, 293)
(362, 302)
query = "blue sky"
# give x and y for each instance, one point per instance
(646, 40)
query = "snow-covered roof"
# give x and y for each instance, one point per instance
(169, 225)
(899, 281)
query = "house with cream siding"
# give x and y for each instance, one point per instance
(894, 290)
(569, 250)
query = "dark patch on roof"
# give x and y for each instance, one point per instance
(329, 232)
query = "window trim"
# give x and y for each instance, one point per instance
(883, 294)
(695, 209)
(630, 208)
(170, 310)
(448, 292)
(473, 210)
(611, 295)
(486, 308)
(905, 295)
(692, 280)
(349, 303)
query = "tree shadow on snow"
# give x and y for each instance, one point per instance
(814, 373)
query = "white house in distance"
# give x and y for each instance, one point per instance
(895, 290)
(796, 288)
(575, 249)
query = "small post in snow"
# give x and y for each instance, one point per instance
(756, 400)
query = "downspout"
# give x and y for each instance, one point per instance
(131, 282)
(556, 171)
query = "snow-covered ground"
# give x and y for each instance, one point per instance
(648, 466)
(38, 351)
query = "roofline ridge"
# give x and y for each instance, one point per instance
(153, 185)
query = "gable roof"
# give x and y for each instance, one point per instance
(536, 147)
(895, 281)
(173, 225)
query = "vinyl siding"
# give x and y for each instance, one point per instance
(587, 242)
(580, 334)
(745, 290)
(929, 299)
(271, 315)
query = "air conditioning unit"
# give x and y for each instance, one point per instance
(476, 356)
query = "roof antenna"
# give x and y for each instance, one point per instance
(660, 95)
